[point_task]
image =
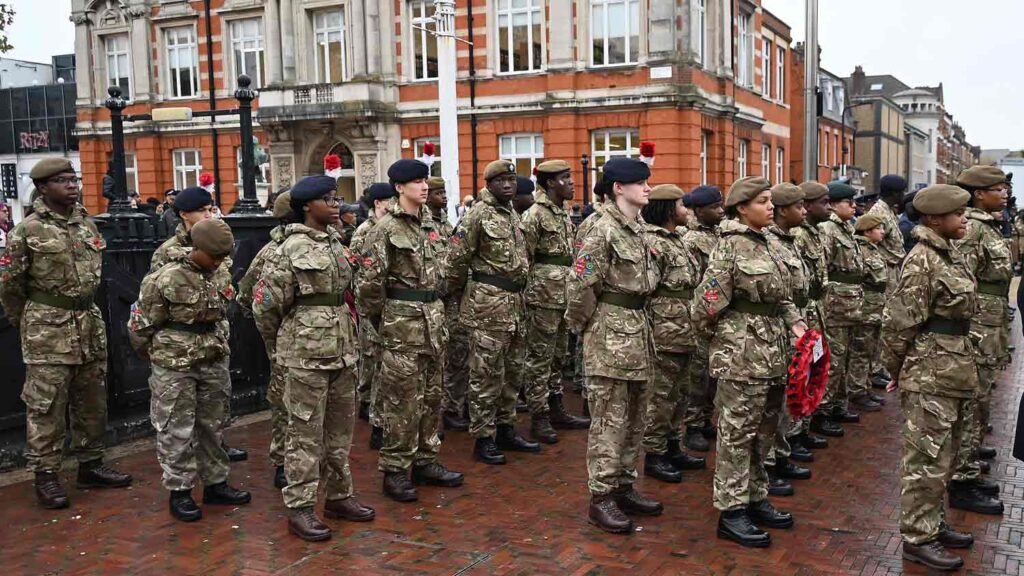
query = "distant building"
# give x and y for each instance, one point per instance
(1009, 161)
(17, 73)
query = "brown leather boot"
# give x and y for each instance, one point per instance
(49, 491)
(933, 555)
(348, 509)
(606, 515)
(303, 523)
(95, 475)
(632, 502)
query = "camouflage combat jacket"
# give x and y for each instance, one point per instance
(745, 297)
(252, 275)
(701, 241)
(935, 286)
(988, 258)
(587, 225)
(798, 271)
(181, 316)
(52, 256)
(613, 275)
(298, 302)
(489, 243)
(398, 285)
(891, 246)
(876, 279)
(441, 223)
(844, 289)
(549, 242)
(669, 305)
(359, 236)
(174, 248)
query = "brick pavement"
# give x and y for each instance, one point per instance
(527, 517)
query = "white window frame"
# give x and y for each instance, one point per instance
(131, 171)
(117, 53)
(600, 142)
(249, 47)
(604, 4)
(321, 50)
(703, 158)
(508, 146)
(766, 158)
(766, 68)
(174, 89)
(420, 15)
(186, 173)
(745, 53)
(741, 158)
(533, 9)
(702, 32)
(780, 74)
(780, 164)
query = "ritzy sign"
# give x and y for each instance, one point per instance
(33, 140)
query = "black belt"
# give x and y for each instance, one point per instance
(845, 277)
(801, 301)
(413, 295)
(623, 300)
(553, 259)
(59, 301)
(755, 308)
(666, 293)
(946, 326)
(321, 299)
(196, 328)
(994, 288)
(815, 293)
(880, 288)
(498, 282)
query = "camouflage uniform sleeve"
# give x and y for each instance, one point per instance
(148, 314)
(248, 283)
(372, 276)
(531, 230)
(14, 266)
(970, 247)
(714, 292)
(827, 245)
(464, 241)
(590, 268)
(272, 298)
(904, 311)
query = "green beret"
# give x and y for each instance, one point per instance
(813, 190)
(981, 177)
(553, 167)
(666, 192)
(839, 190)
(435, 182)
(282, 205)
(213, 236)
(746, 189)
(786, 194)
(941, 199)
(497, 168)
(50, 167)
(867, 222)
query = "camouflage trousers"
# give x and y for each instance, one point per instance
(617, 412)
(931, 430)
(579, 373)
(495, 369)
(572, 371)
(409, 390)
(369, 374)
(50, 391)
(700, 391)
(667, 401)
(547, 338)
(837, 393)
(456, 370)
(321, 417)
(967, 465)
(781, 450)
(278, 414)
(864, 347)
(747, 420)
(188, 410)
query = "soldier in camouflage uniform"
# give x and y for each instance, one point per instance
(674, 337)
(613, 275)
(549, 241)
(180, 324)
(701, 239)
(864, 347)
(300, 311)
(745, 299)
(988, 258)
(890, 203)
(275, 389)
(927, 350)
(48, 280)
(399, 295)
(489, 264)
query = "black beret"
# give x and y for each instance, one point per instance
(703, 196)
(313, 187)
(192, 199)
(380, 191)
(525, 186)
(626, 170)
(407, 170)
(839, 190)
(892, 183)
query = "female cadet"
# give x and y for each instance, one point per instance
(745, 300)
(927, 349)
(299, 308)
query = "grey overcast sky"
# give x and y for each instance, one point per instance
(970, 48)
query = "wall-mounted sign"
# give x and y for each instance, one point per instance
(9, 180)
(34, 140)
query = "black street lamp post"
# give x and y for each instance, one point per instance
(116, 104)
(585, 161)
(247, 204)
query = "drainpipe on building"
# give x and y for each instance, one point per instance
(472, 99)
(810, 93)
(448, 105)
(213, 100)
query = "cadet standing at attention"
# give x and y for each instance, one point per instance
(927, 350)
(48, 280)
(864, 339)
(299, 307)
(613, 275)
(745, 300)
(180, 324)
(399, 294)
(489, 264)
(890, 202)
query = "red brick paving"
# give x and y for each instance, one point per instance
(527, 517)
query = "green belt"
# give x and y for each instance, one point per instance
(994, 288)
(497, 282)
(321, 299)
(755, 308)
(947, 326)
(197, 328)
(845, 277)
(815, 293)
(623, 300)
(879, 288)
(666, 293)
(412, 295)
(59, 301)
(553, 259)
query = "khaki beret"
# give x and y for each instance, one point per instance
(666, 192)
(497, 168)
(981, 177)
(746, 189)
(940, 199)
(213, 236)
(282, 205)
(435, 182)
(786, 194)
(813, 190)
(553, 167)
(868, 221)
(49, 167)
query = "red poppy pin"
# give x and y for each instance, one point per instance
(228, 292)
(432, 236)
(97, 242)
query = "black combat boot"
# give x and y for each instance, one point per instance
(486, 451)
(825, 426)
(183, 507)
(376, 437)
(364, 411)
(735, 525)
(398, 487)
(280, 480)
(541, 430)
(986, 453)
(877, 398)
(681, 460)
(987, 487)
(951, 538)
(632, 502)
(454, 422)
(777, 486)
(764, 514)
(812, 442)
(842, 414)
(985, 467)
(606, 515)
(236, 454)
(436, 474)
(95, 475)
(348, 509)
(933, 555)
(709, 430)
(797, 450)
(695, 440)
(303, 523)
(508, 439)
(658, 467)
(967, 496)
(49, 491)
(786, 469)
(865, 403)
(563, 420)
(225, 494)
